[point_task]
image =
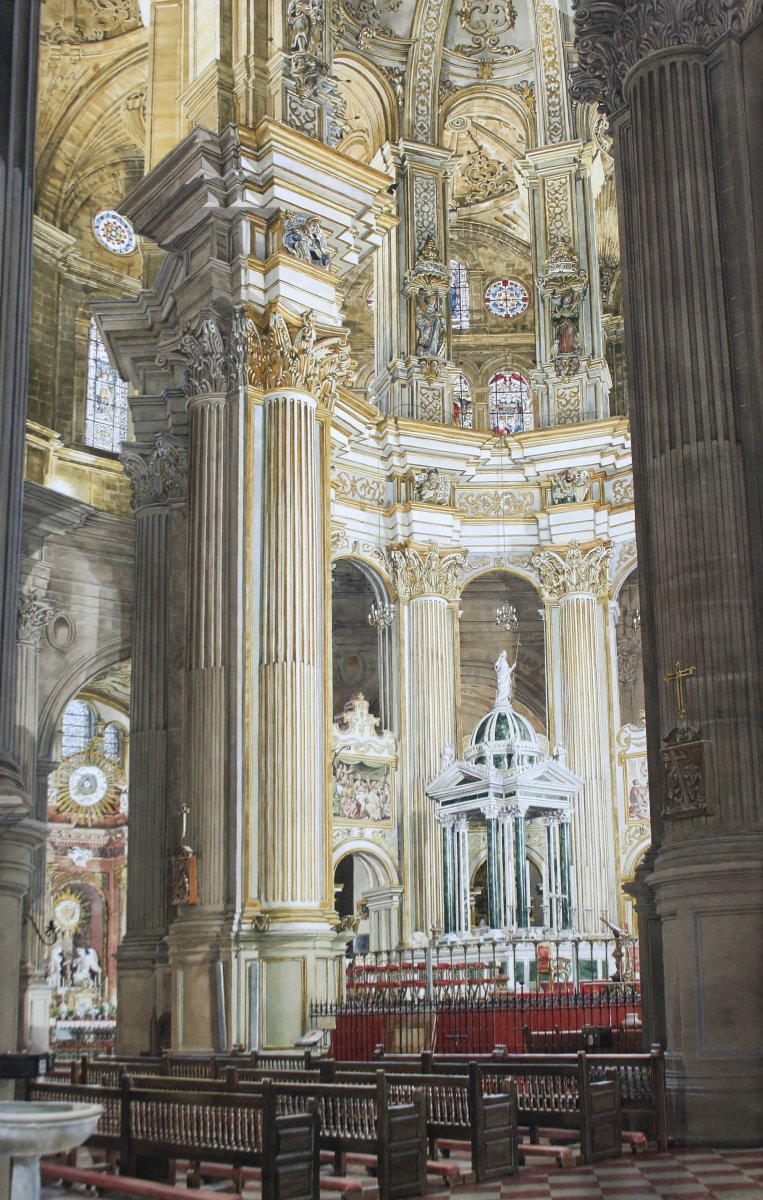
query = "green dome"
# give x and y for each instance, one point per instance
(503, 739)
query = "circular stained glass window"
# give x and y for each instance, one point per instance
(114, 232)
(506, 298)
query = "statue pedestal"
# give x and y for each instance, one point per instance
(28, 1130)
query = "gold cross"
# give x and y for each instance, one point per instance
(677, 676)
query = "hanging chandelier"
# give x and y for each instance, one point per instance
(506, 618)
(381, 616)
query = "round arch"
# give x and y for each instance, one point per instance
(105, 655)
(380, 865)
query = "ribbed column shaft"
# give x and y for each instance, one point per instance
(291, 703)
(585, 734)
(431, 725)
(205, 730)
(25, 733)
(695, 563)
(147, 889)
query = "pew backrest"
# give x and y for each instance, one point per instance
(107, 1134)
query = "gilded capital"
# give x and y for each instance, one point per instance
(34, 614)
(159, 475)
(613, 36)
(281, 356)
(427, 570)
(563, 575)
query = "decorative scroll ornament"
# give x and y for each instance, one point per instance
(613, 36)
(486, 21)
(159, 476)
(429, 273)
(563, 272)
(485, 178)
(355, 731)
(577, 572)
(369, 16)
(427, 571)
(686, 775)
(34, 614)
(276, 358)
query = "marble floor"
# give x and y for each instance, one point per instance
(695, 1174)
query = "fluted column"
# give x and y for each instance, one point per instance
(427, 583)
(681, 86)
(159, 478)
(576, 589)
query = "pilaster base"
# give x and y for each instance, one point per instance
(709, 901)
(36, 1016)
(144, 994)
(278, 973)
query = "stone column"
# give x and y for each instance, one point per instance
(520, 868)
(159, 480)
(448, 876)
(427, 581)
(463, 906)
(509, 889)
(495, 897)
(565, 872)
(576, 586)
(682, 89)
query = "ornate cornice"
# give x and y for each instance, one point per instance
(34, 615)
(613, 36)
(577, 572)
(427, 571)
(158, 476)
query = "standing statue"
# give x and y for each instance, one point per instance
(430, 323)
(504, 678)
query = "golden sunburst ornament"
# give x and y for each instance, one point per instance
(89, 786)
(70, 910)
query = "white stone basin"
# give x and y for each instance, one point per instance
(28, 1130)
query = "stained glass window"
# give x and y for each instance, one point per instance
(509, 402)
(112, 742)
(506, 298)
(77, 727)
(459, 296)
(106, 400)
(462, 403)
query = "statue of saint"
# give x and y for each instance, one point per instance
(504, 679)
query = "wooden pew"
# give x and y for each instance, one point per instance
(559, 1093)
(458, 1107)
(361, 1119)
(108, 1132)
(251, 1130)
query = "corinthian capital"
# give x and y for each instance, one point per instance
(158, 476)
(208, 352)
(428, 571)
(33, 615)
(281, 357)
(576, 572)
(612, 36)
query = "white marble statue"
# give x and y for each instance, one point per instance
(504, 679)
(87, 968)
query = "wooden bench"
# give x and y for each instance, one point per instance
(108, 1132)
(559, 1093)
(458, 1107)
(360, 1118)
(160, 1126)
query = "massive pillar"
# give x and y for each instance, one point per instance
(20, 834)
(575, 587)
(682, 88)
(427, 581)
(159, 479)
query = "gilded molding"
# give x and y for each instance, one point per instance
(158, 476)
(33, 615)
(577, 572)
(279, 358)
(427, 571)
(613, 36)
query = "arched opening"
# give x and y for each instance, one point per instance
(362, 652)
(367, 901)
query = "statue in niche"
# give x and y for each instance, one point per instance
(504, 679)
(565, 322)
(571, 487)
(305, 19)
(432, 488)
(430, 323)
(304, 238)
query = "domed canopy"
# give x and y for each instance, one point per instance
(503, 739)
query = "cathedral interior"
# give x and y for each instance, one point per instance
(381, 515)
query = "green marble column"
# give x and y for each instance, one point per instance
(494, 907)
(564, 847)
(448, 878)
(520, 871)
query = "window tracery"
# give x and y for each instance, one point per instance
(112, 743)
(506, 298)
(509, 402)
(77, 727)
(106, 398)
(463, 411)
(459, 296)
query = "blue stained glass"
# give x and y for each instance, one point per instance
(112, 743)
(462, 403)
(106, 399)
(459, 296)
(77, 727)
(506, 298)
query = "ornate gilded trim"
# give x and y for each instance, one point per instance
(576, 572)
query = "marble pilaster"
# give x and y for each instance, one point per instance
(427, 581)
(576, 586)
(678, 86)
